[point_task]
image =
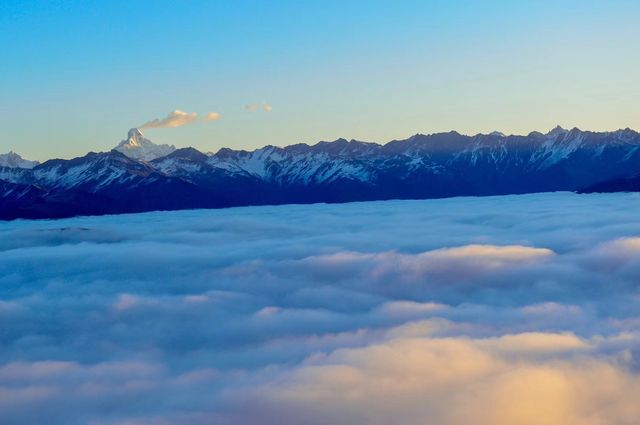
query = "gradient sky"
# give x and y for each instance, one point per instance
(75, 76)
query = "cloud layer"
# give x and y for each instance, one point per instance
(510, 310)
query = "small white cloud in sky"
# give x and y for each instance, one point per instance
(213, 116)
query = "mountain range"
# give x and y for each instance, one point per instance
(138, 175)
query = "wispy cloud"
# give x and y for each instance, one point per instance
(176, 118)
(252, 107)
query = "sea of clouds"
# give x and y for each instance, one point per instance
(516, 310)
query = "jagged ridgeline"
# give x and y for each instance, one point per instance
(139, 175)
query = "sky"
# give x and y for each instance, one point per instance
(76, 75)
(512, 310)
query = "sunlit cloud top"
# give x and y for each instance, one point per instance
(176, 118)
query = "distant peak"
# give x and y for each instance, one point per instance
(557, 130)
(325, 142)
(535, 134)
(135, 138)
(627, 131)
(135, 133)
(138, 147)
(13, 160)
(188, 153)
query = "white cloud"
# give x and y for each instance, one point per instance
(176, 118)
(488, 311)
(213, 116)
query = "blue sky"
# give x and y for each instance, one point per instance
(75, 76)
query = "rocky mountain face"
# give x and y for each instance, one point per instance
(144, 178)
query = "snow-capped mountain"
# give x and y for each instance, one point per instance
(13, 160)
(136, 146)
(422, 166)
